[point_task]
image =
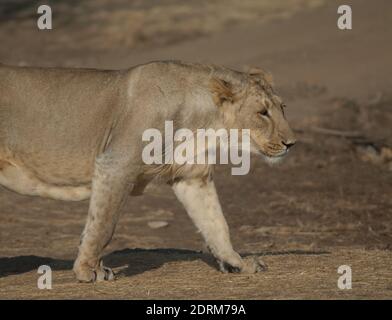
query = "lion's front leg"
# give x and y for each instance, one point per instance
(201, 201)
(109, 187)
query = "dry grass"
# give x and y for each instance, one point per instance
(178, 275)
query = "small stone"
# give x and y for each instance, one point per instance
(158, 224)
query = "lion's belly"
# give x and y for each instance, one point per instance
(22, 180)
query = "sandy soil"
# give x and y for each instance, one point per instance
(328, 204)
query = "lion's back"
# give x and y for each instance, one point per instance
(56, 117)
(55, 105)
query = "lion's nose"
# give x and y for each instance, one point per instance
(288, 144)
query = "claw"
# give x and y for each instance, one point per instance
(261, 265)
(254, 265)
(98, 274)
(109, 274)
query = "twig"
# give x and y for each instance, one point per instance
(339, 133)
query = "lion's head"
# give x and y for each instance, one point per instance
(253, 104)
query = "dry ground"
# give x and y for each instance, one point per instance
(328, 204)
(179, 274)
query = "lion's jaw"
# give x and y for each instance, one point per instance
(268, 158)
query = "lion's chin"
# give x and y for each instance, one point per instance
(270, 159)
(273, 160)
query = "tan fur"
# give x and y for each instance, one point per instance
(260, 73)
(221, 91)
(71, 134)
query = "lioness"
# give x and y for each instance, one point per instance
(73, 134)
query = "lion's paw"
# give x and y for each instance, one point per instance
(254, 265)
(87, 274)
(248, 266)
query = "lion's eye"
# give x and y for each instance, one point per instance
(263, 113)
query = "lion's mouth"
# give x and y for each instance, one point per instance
(273, 158)
(273, 154)
(278, 155)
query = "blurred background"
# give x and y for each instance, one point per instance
(329, 201)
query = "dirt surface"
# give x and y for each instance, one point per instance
(328, 204)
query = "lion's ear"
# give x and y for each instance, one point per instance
(269, 78)
(260, 73)
(222, 91)
(254, 71)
